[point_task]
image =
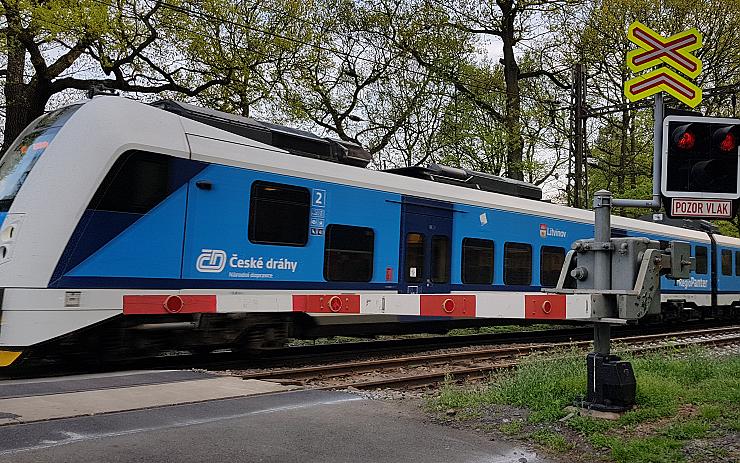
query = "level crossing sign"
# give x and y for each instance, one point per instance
(655, 50)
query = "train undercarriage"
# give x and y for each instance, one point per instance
(142, 336)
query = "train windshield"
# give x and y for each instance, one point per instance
(17, 162)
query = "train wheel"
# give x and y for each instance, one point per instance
(262, 338)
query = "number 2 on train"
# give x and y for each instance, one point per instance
(319, 198)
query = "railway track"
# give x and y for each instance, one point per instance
(432, 368)
(301, 356)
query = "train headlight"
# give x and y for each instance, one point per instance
(8, 236)
(8, 233)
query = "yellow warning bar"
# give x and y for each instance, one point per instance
(662, 80)
(8, 356)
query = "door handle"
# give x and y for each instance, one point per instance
(204, 184)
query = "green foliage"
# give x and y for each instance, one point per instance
(590, 426)
(692, 429)
(453, 396)
(733, 422)
(621, 147)
(525, 387)
(512, 427)
(729, 228)
(551, 440)
(657, 449)
(499, 329)
(470, 84)
(681, 395)
(227, 53)
(710, 412)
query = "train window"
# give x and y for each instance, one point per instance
(414, 257)
(737, 263)
(348, 253)
(517, 264)
(278, 214)
(726, 262)
(477, 261)
(551, 261)
(136, 183)
(440, 259)
(19, 159)
(701, 260)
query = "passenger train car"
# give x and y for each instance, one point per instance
(112, 199)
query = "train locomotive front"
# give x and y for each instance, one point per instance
(73, 241)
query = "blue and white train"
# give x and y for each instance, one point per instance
(112, 199)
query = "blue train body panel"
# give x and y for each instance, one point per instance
(199, 238)
(504, 226)
(172, 245)
(218, 220)
(151, 247)
(727, 281)
(700, 283)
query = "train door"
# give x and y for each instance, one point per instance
(426, 240)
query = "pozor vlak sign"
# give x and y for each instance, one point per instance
(701, 208)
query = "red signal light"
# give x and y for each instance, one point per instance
(686, 141)
(728, 143)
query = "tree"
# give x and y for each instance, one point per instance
(511, 23)
(360, 86)
(473, 138)
(622, 149)
(142, 46)
(260, 42)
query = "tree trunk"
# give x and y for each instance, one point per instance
(512, 115)
(25, 102)
(14, 87)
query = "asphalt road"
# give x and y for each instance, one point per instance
(301, 426)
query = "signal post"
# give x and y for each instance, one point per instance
(622, 277)
(696, 174)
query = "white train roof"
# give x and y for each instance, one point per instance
(214, 145)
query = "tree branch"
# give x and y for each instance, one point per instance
(65, 61)
(119, 84)
(542, 72)
(37, 59)
(457, 83)
(139, 49)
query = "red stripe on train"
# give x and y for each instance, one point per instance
(447, 305)
(168, 304)
(545, 306)
(326, 303)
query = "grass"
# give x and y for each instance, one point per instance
(496, 329)
(349, 339)
(551, 440)
(512, 427)
(681, 395)
(654, 449)
(455, 332)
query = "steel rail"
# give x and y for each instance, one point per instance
(501, 358)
